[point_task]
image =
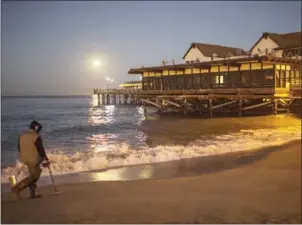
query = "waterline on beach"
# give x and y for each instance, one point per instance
(124, 155)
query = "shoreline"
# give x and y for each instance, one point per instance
(162, 143)
(265, 188)
(194, 166)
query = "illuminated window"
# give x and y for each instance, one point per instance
(219, 79)
(287, 75)
(298, 77)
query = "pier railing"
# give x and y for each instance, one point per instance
(185, 91)
(116, 91)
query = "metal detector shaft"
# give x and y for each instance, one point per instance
(53, 182)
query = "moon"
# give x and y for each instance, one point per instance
(96, 63)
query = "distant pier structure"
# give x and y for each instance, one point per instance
(127, 94)
(117, 96)
(221, 81)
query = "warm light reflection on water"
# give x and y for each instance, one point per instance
(124, 173)
(101, 142)
(101, 115)
(141, 137)
(94, 100)
(95, 116)
(147, 172)
(141, 116)
(109, 175)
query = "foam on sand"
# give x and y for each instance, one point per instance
(123, 155)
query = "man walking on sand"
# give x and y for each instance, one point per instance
(32, 154)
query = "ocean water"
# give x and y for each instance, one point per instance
(80, 136)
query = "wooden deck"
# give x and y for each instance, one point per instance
(210, 101)
(231, 92)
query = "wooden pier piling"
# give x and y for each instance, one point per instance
(99, 100)
(114, 99)
(210, 107)
(185, 106)
(103, 99)
(108, 99)
(120, 98)
(275, 107)
(210, 102)
(240, 108)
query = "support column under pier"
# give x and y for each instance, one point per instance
(240, 107)
(108, 99)
(125, 99)
(275, 107)
(99, 99)
(114, 99)
(210, 107)
(185, 106)
(103, 99)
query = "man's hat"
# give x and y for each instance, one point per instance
(36, 126)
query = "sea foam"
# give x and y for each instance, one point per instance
(123, 154)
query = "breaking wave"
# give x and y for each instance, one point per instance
(123, 155)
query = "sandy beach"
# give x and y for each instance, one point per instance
(264, 189)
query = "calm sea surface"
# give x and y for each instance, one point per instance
(80, 136)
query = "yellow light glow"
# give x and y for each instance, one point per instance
(146, 173)
(96, 63)
(110, 175)
(280, 115)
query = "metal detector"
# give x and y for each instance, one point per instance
(55, 190)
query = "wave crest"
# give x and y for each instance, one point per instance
(123, 154)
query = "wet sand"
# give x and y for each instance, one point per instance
(252, 187)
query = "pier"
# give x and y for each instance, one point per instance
(236, 87)
(208, 102)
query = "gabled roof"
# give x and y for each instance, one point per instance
(221, 51)
(289, 40)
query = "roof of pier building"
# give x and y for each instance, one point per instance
(283, 41)
(131, 84)
(208, 64)
(208, 50)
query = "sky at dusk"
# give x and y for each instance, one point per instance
(48, 47)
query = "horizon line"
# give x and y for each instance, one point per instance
(47, 95)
